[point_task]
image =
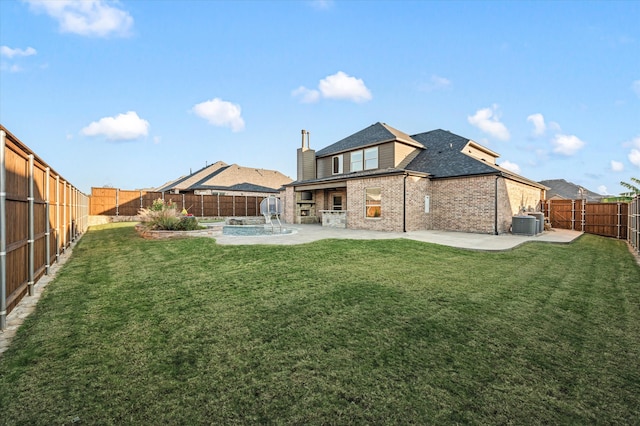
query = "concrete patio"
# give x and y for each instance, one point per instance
(308, 233)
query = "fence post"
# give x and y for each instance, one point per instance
(141, 206)
(3, 234)
(74, 216)
(619, 219)
(246, 206)
(117, 202)
(31, 238)
(64, 215)
(47, 229)
(218, 195)
(57, 218)
(201, 205)
(183, 205)
(573, 214)
(583, 216)
(233, 199)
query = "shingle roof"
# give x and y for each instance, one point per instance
(244, 187)
(223, 176)
(443, 156)
(568, 190)
(372, 135)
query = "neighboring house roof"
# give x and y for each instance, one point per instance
(222, 176)
(373, 135)
(570, 191)
(241, 187)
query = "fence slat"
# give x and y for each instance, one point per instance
(606, 219)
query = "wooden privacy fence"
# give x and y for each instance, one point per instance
(40, 215)
(118, 202)
(607, 219)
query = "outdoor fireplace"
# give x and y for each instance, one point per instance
(304, 212)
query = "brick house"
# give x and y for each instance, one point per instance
(224, 179)
(383, 179)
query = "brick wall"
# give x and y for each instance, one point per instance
(417, 189)
(464, 204)
(288, 196)
(512, 196)
(391, 204)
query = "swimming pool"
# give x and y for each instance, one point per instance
(253, 230)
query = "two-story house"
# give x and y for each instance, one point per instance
(383, 179)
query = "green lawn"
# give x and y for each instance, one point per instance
(334, 332)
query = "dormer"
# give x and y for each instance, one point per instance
(480, 152)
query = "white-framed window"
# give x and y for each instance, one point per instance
(336, 164)
(372, 202)
(356, 161)
(371, 158)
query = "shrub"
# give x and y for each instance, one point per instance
(187, 223)
(164, 216)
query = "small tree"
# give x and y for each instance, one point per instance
(633, 189)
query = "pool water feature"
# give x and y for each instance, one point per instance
(253, 230)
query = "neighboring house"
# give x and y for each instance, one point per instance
(383, 179)
(224, 179)
(560, 189)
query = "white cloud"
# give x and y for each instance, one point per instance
(510, 166)
(307, 96)
(10, 68)
(602, 190)
(436, 83)
(10, 53)
(566, 144)
(342, 86)
(321, 4)
(96, 18)
(635, 86)
(121, 127)
(634, 157)
(337, 86)
(616, 166)
(488, 120)
(220, 113)
(539, 126)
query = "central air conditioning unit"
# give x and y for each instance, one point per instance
(524, 225)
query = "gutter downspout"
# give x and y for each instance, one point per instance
(495, 200)
(404, 203)
(3, 234)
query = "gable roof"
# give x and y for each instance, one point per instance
(568, 190)
(185, 182)
(373, 135)
(222, 176)
(443, 156)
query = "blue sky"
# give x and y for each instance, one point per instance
(134, 93)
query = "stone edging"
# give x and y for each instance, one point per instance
(161, 235)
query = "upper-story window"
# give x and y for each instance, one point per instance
(371, 158)
(356, 161)
(364, 159)
(336, 164)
